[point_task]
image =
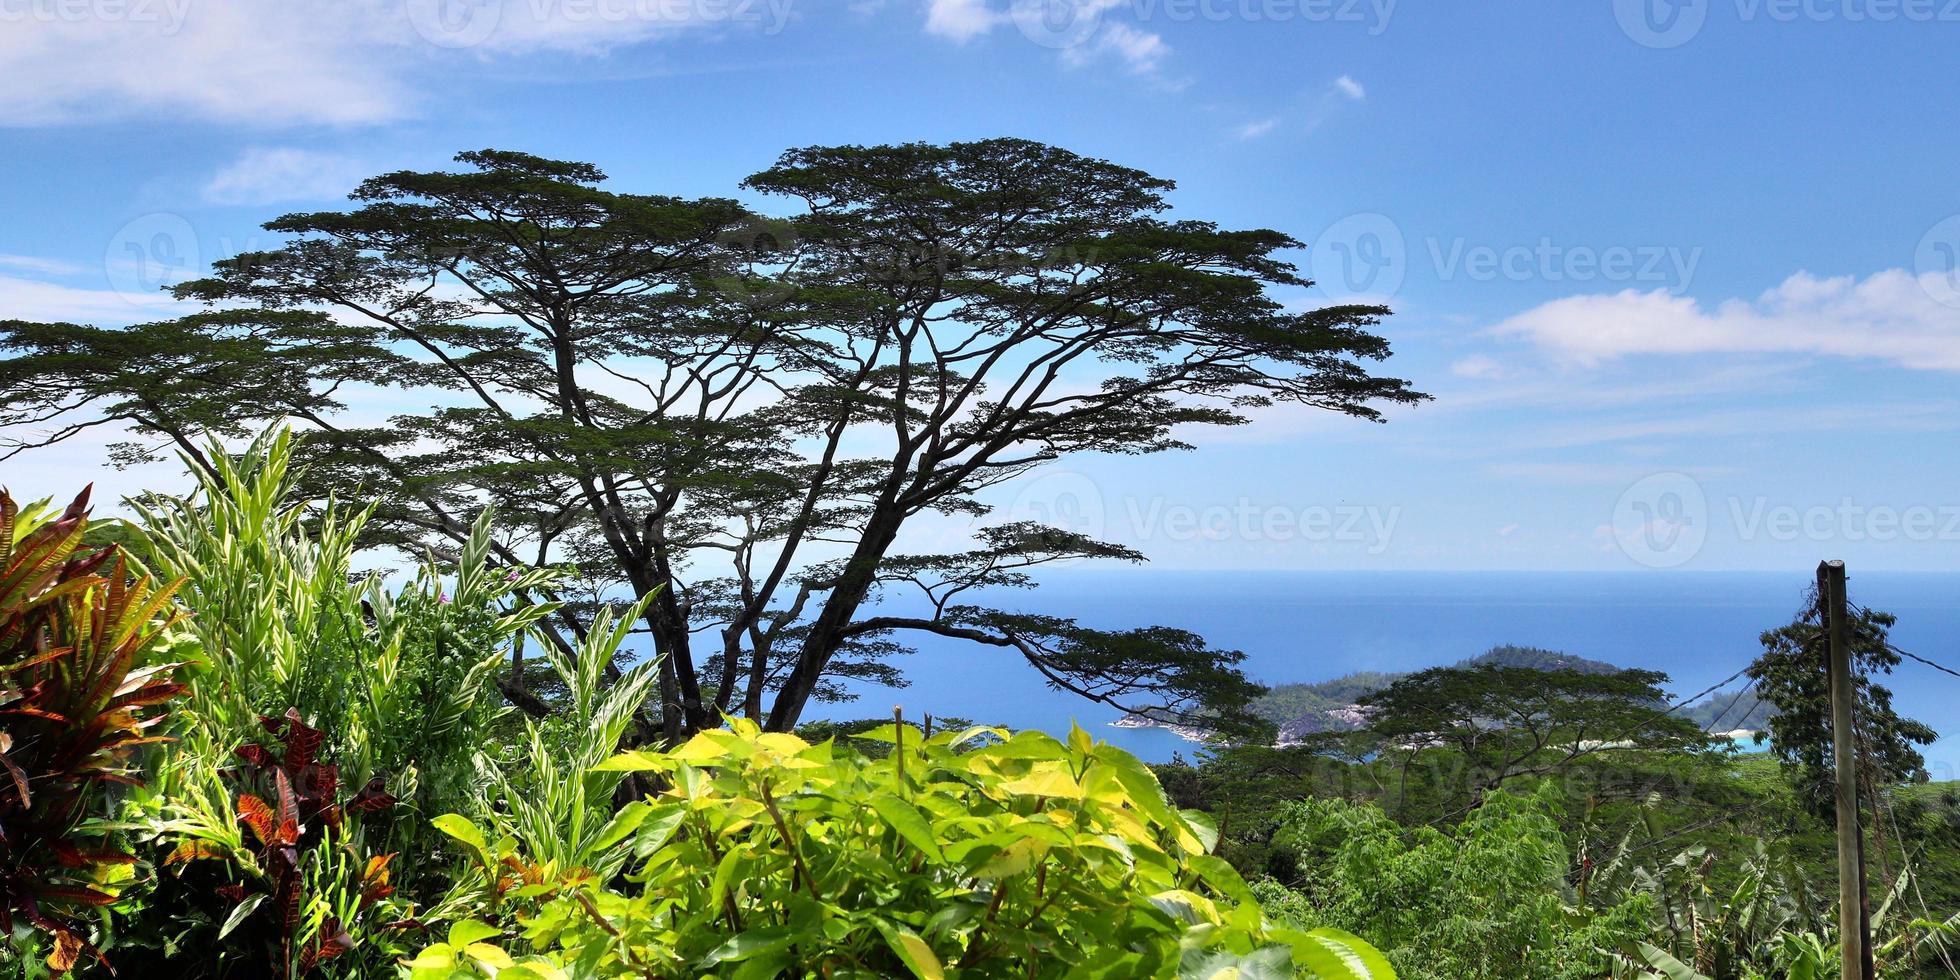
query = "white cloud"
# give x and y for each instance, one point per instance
(291, 61)
(1256, 129)
(1478, 366)
(333, 62)
(1617, 474)
(1565, 388)
(61, 470)
(268, 175)
(583, 26)
(1325, 103)
(34, 265)
(1141, 52)
(960, 20)
(1748, 422)
(1075, 28)
(1890, 316)
(33, 299)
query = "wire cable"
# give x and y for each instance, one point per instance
(1908, 654)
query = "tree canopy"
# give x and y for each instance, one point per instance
(735, 415)
(1506, 722)
(1793, 673)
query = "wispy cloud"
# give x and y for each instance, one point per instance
(961, 20)
(269, 175)
(1511, 383)
(1320, 105)
(1479, 366)
(1337, 95)
(1749, 422)
(292, 61)
(34, 299)
(1594, 474)
(1891, 316)
(1254, 130)
(1076, 29)
(333, 62)
(36, 266)
(1139, 52)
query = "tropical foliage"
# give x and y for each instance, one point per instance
(268, 840)
(1487, 899)
(401, 681)
(973, 853)
(298, 890)
(242, 819)
(76, 701)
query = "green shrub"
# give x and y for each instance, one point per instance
(401, 681)
(1489, 899)
(971, 853)
(393, 686)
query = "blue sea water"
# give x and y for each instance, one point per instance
(1698, 627)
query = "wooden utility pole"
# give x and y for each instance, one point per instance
(1854, 930)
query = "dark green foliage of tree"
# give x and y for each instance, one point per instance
(1793, 674)
(1506, 722)
(1301, 710)
(1742, 709)
(220, 371)
(737, 415)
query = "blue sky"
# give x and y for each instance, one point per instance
(1679, 275)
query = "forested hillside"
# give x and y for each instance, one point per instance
(1302, 709)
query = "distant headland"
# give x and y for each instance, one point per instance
(1301, 710)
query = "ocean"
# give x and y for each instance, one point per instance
(1698, 627)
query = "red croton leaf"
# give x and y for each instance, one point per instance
(87, 564)
(256, 815)
(372, 798)
(302, 742)
(320, 783)
(75, 896)
(333, 941)
(287, 817)
(286, 898)
(192, 850)
(374, 880)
